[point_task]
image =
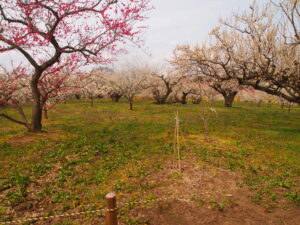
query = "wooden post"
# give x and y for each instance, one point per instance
(111, 205)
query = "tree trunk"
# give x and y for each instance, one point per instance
(183, 98)
(45, 113)
(269, 103)
(37, 110)
(175, 99)
(162, 99)
(259, 103)
(77, 96)
(229, 98)
(131, 105)
(92, 101)
(115, 97)
(169, 91)
(289, 106)
(197, 100)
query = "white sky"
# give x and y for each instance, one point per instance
(174, 22)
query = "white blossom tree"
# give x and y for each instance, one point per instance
(163, 82)
(89, 85)
(188, 86)
(212, 64)
(268, 53)
(129, 82)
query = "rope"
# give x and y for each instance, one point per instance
(120, 205)
(57, 216)
(111, 210)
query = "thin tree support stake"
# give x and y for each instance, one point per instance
(176, 141)
(111, 205)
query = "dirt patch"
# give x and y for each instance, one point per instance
(19, 141)
(219, 198)
(201, 194)
(30, 138)
(33, 206)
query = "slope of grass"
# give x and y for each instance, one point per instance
(87, 151)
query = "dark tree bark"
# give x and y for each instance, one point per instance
(196, 100)
(162, 98)
(77, 96)
(92, 101)
(184, 96)
(115, 97)
(229, 98)
(37, 110)
(14, 120)
(45, 113)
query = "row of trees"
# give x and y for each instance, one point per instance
(58, 86)
(254, 50)
(128, 82)
(259, 48)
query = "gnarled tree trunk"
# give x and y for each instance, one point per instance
(229, 98)
(115, 97)
(183, 97)
(161, 98)
(37, 109)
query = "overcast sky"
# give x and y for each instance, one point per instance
(174, 22)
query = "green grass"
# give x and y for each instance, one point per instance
(87, 151)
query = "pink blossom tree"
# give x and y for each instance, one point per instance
(14, 91)
(47, 31)
(55, 86)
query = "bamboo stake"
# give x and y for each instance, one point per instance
(176, 141)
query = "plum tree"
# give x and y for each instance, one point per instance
(47, 31)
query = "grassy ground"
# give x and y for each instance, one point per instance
(87, 151)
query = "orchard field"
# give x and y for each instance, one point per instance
(198, 125)
(247, 156)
